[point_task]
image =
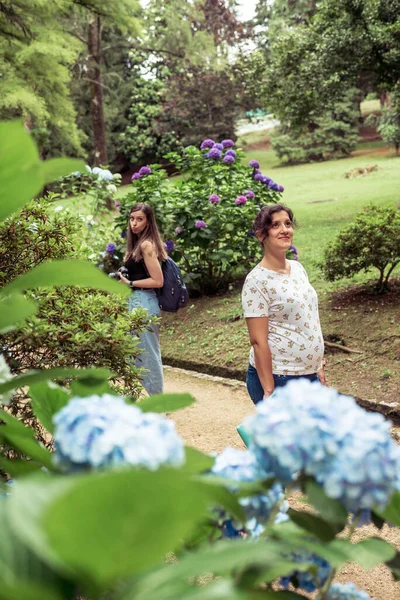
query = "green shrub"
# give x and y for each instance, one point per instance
(212, 253)
(388, 122)
(333, 135)
(371, 241)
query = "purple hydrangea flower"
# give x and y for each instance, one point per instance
(266, 180)
(135, 176)
(280, 188)
(179, 230)
(214, 199)
(117, 203)
(251, 233)
(240, 200)
(144, 171)
(169, 245)
(123, 233)
(227, 143)
(249, 194)
(254, 164)
(258, 177)
(273, 186)
(230, 153)
(214, 153)
(218, 146)
(110, 248)
(229, 159)
(200, 224)
(293, 252)
(207, 144)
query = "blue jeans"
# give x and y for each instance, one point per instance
(255, 388)
(149, 342)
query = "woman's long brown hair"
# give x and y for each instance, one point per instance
(151, 234)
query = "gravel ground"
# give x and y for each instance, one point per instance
(210, 425)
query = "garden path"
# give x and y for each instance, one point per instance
(210, 425)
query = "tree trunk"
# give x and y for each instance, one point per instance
(96, 90)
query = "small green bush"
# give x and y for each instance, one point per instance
(333, 135)
(371, 241)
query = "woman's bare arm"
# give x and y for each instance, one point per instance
(258, 333)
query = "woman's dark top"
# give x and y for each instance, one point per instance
(136, 269)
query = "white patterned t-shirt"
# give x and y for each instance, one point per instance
(291, 305)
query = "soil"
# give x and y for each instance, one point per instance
(210, 425)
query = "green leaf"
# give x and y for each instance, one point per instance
(392, 512)
(196, 461)
(111, 525)
(368, 553)
(65, 272)
(22, 573)
(22, 439)
(330, 509)
(47, 399)
(31, 377)
(90, 386)
(16, 467)
(54, 168)
(13, 310)
(165, 403)
(22, 174)
(394, 566)
(315, 525)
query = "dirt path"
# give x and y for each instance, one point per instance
(210, 425)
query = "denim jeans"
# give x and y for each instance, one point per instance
(149, 342)
(255, 388)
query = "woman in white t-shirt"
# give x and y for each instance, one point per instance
(281, 311)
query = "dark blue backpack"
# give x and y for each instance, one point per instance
(174, 294)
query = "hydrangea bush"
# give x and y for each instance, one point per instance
(127, 463)
(208, 212)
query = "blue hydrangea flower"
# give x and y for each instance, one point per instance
(229, 159)
(207, 144)
(110, 248)
(214, 199)
(200, 224)
(104, 431)
(214, 153)
(169, 246)
(88, 169)
(241, 465)
(230, 153)
(227, 143)
(254, 164)
(144, 171)
(218, 146)
(310, 428)
(347, 591)
(240, 200)
(309, 582)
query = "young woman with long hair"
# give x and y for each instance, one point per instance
(281, 311)
(144, 252)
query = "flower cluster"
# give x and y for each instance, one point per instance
(141, 173)
(214, 199)
(292, 253)
(258, 176)
(200, 224)
(214, 153)
(241, 465)
(240, 200)
(110, 248)
(216, 150)
(169, 246)
(5, 375)
(309, 582)
(100, 173)
(308, 428)
(179, 230)
(347, 591)
(104, 431)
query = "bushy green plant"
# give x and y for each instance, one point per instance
(98, 184)
(388, 122)
(207, 215)
(332, 135)
(372, 241)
